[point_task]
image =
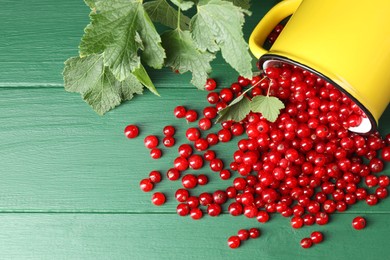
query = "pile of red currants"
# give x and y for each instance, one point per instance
(305, 166)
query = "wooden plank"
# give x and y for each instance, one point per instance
(58, 155)
(156, 236)
(37, 37)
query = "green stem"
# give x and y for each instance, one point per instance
(178, 18)
(269, 87)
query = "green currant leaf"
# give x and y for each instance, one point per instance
(236, 111)
(218, 25)
(120, 29)
(97, 85)
(91, 3)
(244, 4)
(182, 55)
(183, 5)
(268, 106)
(144, 78)
(160, 11)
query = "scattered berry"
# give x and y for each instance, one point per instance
(155, 176)
(234, 242)
(131, 131)
(151, 141)
(158, 198)
(254, 233)
(306, 242)
(146, 185)
(210, 85)
(243, 234)
(155, 153)
(316, 237)
(359, 223)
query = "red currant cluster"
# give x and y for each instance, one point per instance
(306, 165)
(242, 235)
(316, 237)
(275, 33)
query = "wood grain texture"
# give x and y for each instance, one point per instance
(36, 39)
(168, 237)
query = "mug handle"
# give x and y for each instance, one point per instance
(267, 24)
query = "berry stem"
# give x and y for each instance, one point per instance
(178, 17)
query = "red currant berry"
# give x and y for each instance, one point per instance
(151, 141)
(213, 210)
(131, 131)
(296, 222)
(226, 95)
(224, 174)
(322, 218)
(168, 141)
(383, 181)
(243, 234)
(235, 209)
(189, 181)
(180, 112)
(183, 209)
(169, 130)
(202, 179)
(185, 150)
(201, 144)
(192, 134)
(216, 165)
(155, 176)
(204, 124)
(193, 202)
(254, 233)
(386, 153)
(196, 213)
(237, 129)
(182, 195)
(316, 237)
(272, 72)
(191, 115)
(213, 98)
(243, 81)
(220, 196)
(209, 155)
(210, 85)
(376, 165)
(181, 163)
(372, 200)
(205, 199)
(381, 193)
(236, 88)
(210, 112)
(224, 135)
(306, 242)
(250, 211)
(158, 198)
(146, 185)
(212, 139)
(234, 242)
(195, 161)
(155, 153)
(262, 216)
(359, 223)
(173, 174)
(309, 219)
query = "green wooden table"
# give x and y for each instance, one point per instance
(69, 186)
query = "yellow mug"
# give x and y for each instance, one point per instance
(343, 41)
